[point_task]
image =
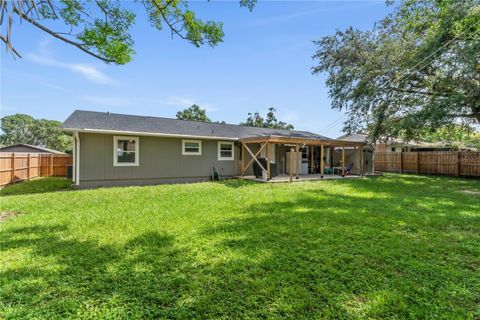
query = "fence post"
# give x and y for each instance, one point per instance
(40, 165)
(12, 176)
(401, 161)
(51, 165)
(418, 162)
(28, 166)
(457, 168)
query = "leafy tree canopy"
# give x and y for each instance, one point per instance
(418, 69)
(256, 120)
(22, 128)
(193, 113)
(101, 28)
(461, 136)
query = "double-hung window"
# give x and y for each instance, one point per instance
(192, 147)
(125, 151)
(225, 150)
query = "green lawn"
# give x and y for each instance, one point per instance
(36, 186)
(389, 247)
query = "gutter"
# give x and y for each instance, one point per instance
(147, 134)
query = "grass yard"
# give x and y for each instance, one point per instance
(389, 247)
(40, 185)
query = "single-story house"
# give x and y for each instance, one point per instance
(115, 149)
(28, 148)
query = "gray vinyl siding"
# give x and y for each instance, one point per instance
(160, 161)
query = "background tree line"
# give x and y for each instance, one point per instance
(22, 128)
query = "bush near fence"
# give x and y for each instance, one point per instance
(453, 163)
(25, 166)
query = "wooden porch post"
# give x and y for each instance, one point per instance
(321, 161)
(243, 159)
(332, 150)
(297, 162)
(291, 164)
(361, 161)
(268, 162)
(312, 167)
(343, 161)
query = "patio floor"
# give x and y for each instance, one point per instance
(304, 177)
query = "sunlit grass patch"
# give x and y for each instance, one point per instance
(397, 246)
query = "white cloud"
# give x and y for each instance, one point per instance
(44, 56)
(325, 6)
(107, 101)
(178, 101)
(91, 73)
(184, 102)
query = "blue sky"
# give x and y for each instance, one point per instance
(264, 61)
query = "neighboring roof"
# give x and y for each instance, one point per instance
(37, 149)
(357, 137)
(104, 122)
(353, 137)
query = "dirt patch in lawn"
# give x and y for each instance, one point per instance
(7, 215)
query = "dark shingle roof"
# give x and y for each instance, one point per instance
(102, 121)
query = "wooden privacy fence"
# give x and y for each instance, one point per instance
(25, 166)
(454, 163)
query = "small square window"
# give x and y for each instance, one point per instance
(125, 151)
(225, 150)
(191, 147)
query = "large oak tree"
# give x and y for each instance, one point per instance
(417, 69)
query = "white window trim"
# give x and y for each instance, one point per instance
(220, 158)
(187, 153)
(115, 157)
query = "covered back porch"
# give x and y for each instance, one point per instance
(283, 159)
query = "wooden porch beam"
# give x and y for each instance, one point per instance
(255, 156)
(291, 164)
(343, 161)
(321, 161)
(361, 161)
(268, 161)
(298, 163)
(243, 159)
(312, 168)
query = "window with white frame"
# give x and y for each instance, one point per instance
(225, 150)
(192, 147)
(125, 151)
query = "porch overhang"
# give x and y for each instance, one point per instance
(297, 142)
(303, 141)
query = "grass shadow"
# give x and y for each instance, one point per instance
(344, 256)
(143, 278)
(40, 185)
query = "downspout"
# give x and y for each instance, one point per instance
(74, 144)
(77, 160)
